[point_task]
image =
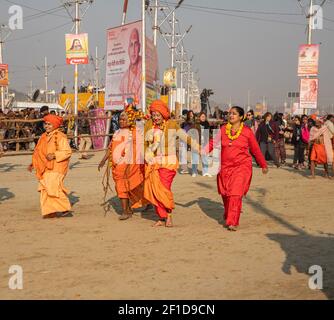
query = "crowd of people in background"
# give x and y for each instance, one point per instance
(310, 136)
(11, 130)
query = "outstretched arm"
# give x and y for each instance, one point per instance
(213, 142)
(256, 151)
(187, 139)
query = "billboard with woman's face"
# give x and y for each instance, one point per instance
(76, 48)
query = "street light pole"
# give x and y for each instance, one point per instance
(2, 88)
(310, 22)
(155, 27)
(181, 78)
(76, 75)
(4, 34)
(46, 78)
(143, 93)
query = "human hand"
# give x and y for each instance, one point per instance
(101, 165)
(149, 157)
(30, 167)
(51, 156)
(265, 170)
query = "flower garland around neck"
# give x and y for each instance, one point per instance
(126, 152)
(160, 126)
(229, 131)
(154, 140)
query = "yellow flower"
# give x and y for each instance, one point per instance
(229, 133)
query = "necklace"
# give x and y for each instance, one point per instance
(236, 135)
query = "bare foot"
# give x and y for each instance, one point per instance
(125, 216)
(169, 222)
(159, 223)
(232, 228)
(311, 177)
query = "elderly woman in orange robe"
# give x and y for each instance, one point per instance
(126, 161)
(238, 144)
(161, 160)
(51, 160)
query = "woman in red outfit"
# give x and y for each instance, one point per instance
(238, 144)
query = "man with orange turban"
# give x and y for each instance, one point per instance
(51, 160)
(161, 160)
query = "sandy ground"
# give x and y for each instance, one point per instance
(286, 227)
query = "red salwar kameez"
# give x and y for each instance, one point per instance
(235, 174)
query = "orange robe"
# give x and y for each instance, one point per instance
(127, 166)
(162, 166)
(51, 174)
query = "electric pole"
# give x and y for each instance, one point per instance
(310, 23)
(46, 78)
(77, 18)
(174, 38)
(108, 123)
(97, 63)
(155, 27)
(46, 69)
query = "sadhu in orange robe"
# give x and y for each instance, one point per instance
(162, 165)
(51, 174)
(127, 165)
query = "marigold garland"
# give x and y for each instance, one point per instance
(229, 131)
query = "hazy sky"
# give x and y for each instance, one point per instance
(233, 54)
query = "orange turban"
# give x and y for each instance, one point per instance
(160, 106)
(313, 117)
(54, 120)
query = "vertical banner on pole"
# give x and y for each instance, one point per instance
(152, 71)
(4, 75)
(170, 78)
(308, 60)
(76, 48)
(309, 93)
(97, 127)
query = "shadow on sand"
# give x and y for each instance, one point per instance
(7, 167)
(5, 194)
(302, 250)
(213, 209)
(73, 198)
(114, 205)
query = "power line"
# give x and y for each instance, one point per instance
(39, 33)
(245, 17)
(222, 12)
(41, 12)
(236, 10)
